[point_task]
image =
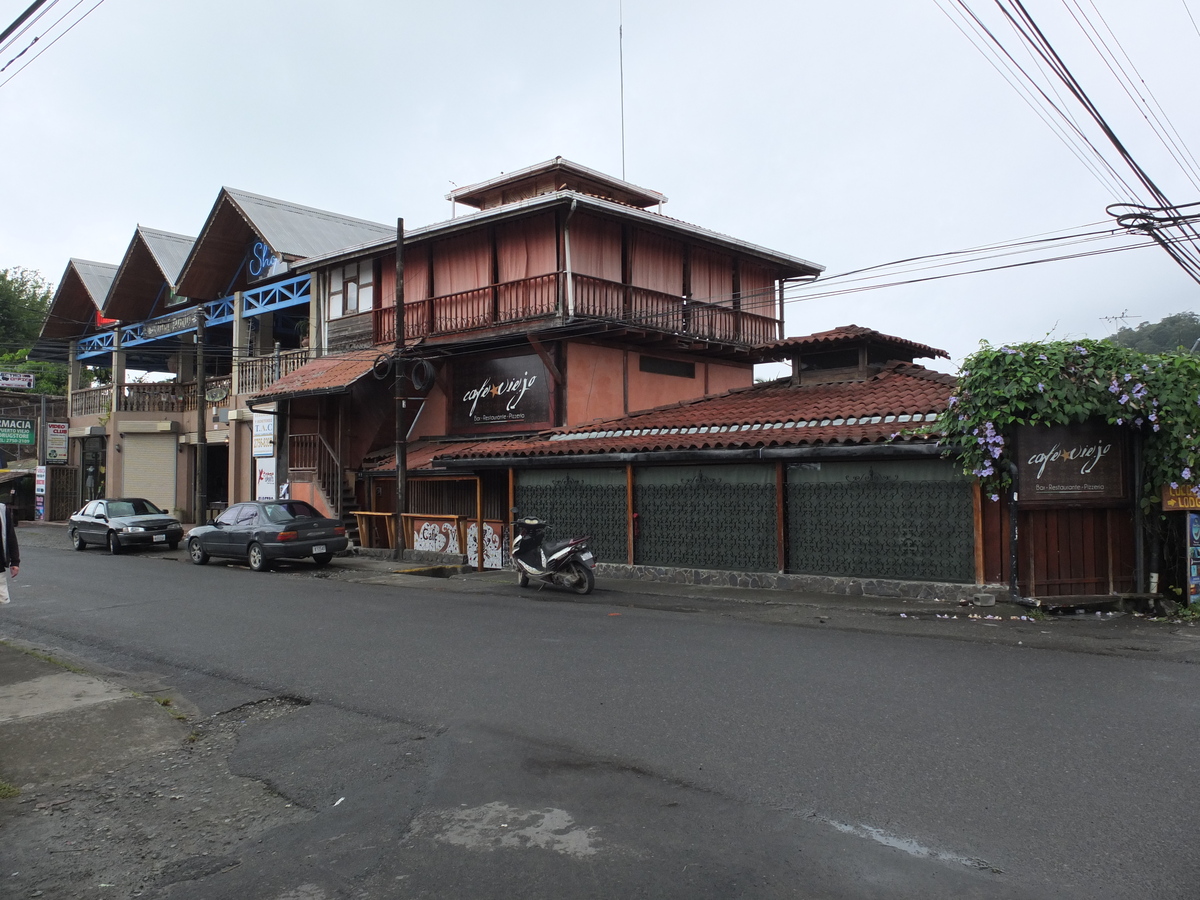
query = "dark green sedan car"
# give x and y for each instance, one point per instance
(261, 532)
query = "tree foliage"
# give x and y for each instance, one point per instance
(1062, 382)
(24, 301)
(1172, 333)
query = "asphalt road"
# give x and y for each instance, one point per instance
(489, 745)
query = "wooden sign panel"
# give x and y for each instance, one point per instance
(510, 393)
(1060, 463)
(1179, 498)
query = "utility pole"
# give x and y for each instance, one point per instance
(401, 402)
(201, 425)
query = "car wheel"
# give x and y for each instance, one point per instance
(322, 559)
(582, 579)
(257, 557)
(114, 543)
(522, 579)
(196, 552)
(77, 540)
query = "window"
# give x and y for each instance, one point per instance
(352, 288)
(230, 516)
(248, 515)
(657, 366)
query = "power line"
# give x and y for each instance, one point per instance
(59, 37)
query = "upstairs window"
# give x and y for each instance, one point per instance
(352, 289)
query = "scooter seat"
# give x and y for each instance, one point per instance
(553, 547)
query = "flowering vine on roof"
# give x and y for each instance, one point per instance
(1062, 382)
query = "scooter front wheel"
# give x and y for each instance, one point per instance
(582, 579)
(522, 579)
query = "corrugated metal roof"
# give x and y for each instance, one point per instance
(896, 402)
(301, 231)
(169, 250)
(97, 278)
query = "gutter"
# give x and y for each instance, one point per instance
(748, 454)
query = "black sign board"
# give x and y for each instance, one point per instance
(510, 393)
(1071, 463)
(156, 328)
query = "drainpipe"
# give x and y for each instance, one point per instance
(567, 255)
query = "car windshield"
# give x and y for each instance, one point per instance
(132, 508)
(292, 509)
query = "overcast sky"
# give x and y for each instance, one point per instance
(850, 133)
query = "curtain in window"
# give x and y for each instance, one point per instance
(712, 277)
(596, 247)
(758, 290)
(656, 263)
(526, 248)
(461, 263)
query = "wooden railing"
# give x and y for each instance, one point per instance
(259, 372)
(165, 396)
(594, 298)
(310, 458)
(92, 401)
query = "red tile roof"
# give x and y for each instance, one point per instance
(325, 375)
(852, 334)
(776, 414)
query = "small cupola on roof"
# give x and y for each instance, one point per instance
(846, 353)
(557, 174)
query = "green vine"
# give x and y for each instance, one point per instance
(1062, 382)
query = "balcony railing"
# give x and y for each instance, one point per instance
(260, 372)
(163, 396)
(594, 298)
(92, 401)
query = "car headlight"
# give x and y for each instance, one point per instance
(131, 529)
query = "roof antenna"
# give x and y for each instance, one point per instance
(621, 53)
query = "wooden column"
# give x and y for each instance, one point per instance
(629, 513)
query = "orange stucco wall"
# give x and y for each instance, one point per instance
(595, 387)
(722, 378)
(432, 420)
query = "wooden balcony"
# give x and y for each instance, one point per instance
(594, 298)
(260, 372)
(92, 401)
(163, 396)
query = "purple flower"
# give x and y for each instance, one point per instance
(1123, 399)
(1114, 387)
(1127, 376)
(1009, 350)
(1082, 350)
(1174, 485)
(1156, 428)
(951, 401)
(1138, 421)
(1186, 473)
(994, 497)
(1120, 421)
(1152, 417)
(1041, 356)
(1041, 387)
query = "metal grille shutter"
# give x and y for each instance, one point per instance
(150, 461)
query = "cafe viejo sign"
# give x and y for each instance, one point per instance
(510, 393)
(1071, 462)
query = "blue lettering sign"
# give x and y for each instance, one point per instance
(262, 260)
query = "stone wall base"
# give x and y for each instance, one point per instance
(808, 584)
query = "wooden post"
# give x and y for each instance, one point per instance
(479, 521)
(629, 512)
(780, 515)
(977, 516)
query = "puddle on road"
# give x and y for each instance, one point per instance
(496, 826)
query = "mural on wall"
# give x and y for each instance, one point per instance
(440, 537)
(1071, 462)
(510, 393)
(493, 555)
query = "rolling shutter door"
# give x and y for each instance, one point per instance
(150, 468)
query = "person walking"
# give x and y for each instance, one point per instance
(10, 552)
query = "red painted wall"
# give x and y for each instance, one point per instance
(595, 387)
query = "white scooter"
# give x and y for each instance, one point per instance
(566, 563)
